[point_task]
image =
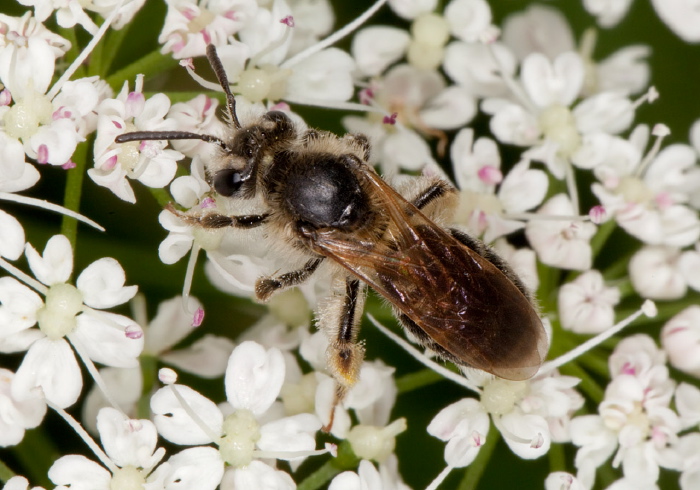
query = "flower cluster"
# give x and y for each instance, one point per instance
(556, 167)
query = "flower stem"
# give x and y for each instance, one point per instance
(5, 472)
(557, 459)
(74, 190)
(475, 471)
(418, 379)
(345, 461)
(148, 65)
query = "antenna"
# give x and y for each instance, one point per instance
(220, 73)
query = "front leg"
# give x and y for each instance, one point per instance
(340, 318)
(216, 220)
(265, 286)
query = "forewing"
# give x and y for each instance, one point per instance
(457, 297)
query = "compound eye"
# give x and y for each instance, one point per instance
(227, 182)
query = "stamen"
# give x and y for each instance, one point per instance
(94, 372)
(332, 104)
(167, 376)
(85, 52)
(40, 203)
(571, 185)
(193, 415)
(28, 280)
(89, 441)
(440, 478)
(598, 214)
(189, 274)
(198, 317)
(547, 217)
(420, 357)
(511, 83)
(204, 83)
(648, 308)
(288, 455)
(336, 36)
(255, 60)
(660, 131)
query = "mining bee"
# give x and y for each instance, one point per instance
(324, 201)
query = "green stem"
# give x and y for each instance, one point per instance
(601, 236)
(618, 269)
(35, 455)
(162, 196)
(74, 189)
(345, 461)
(73, 52)
(110, 47)
(96, 59)
(320, 477)
(418, 379)
(148, 65)
(588, 385)
(5, 472)
(475, 471)
(557, 459)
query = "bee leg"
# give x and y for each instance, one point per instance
(265, 286)
(344, 353)
(216, 220)
(435, 191)
(362, 143)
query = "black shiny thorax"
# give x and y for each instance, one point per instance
(317, 189)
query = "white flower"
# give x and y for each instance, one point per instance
(68, 311)
(17, 415)
(607, 12)
(586, 305)
(634, 417)
(485, 210)
(146, 161)
(368, 478)
(131, 456)
(649, 195)
(15, 173)
(410, 9)
(422, 103)
(560, 480)
(682, 16)
(688, 448)
(49, 125)
(655, 273)
(12, 238)
(391, 41)
(469, 20)
(545, 118)
(538, 29)
(680, 338)
(561, 243)
(528, 414)
(464, 425)
(196, 116)
(191, 25)
(480, 68)
(260, 67)
(253, 380)
(34, 50)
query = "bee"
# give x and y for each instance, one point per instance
(322, 199)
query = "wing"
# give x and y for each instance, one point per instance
(462, 301)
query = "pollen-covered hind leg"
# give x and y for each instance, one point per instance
(340, 318)
(265, 286)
